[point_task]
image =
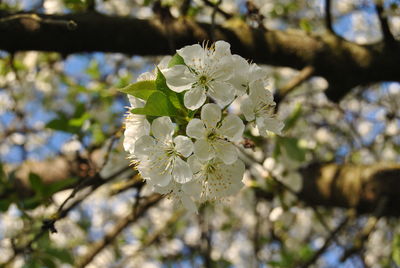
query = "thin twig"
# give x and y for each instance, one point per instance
(328, 16)
(387, 35)
(303, 75)
(184, 8)
(213, 14)
(219, 10)
(119, 227)
(325, 246)
(48, 224)
(363, 236)
(68, 24)
(164, 230)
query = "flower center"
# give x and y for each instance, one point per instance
(210, 168)
(212, 135)
(170, 150)
(263, 109)
(203, 80)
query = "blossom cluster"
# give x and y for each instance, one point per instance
(180, 131)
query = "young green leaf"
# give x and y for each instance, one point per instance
(291, 121)
(157, 104)
(175, 98)
(292, 148)
(176, 60)
(142, 89)
(37, 184)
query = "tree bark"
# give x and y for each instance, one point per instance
(328, 185)
(361, 187)
(342, 63)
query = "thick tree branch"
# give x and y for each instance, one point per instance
(353, 186)
(343, 64)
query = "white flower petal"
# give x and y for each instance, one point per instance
(191, 54)
(163, 128)
(179, 78)
(136, 126)
(164, 63)
(194, 164)
(144, 146)
(226, 151)
(181, 171)
(146, 76)
(256, 73)
(222, 49)
(196, 129)
(194, 98)
(210, 115)
(189, 204)
(136, 102)
(232, 127)
(183, 145)
(266, 124)
(192, 188)
(203, 150)
(226, 180)
(247, 108)
(161, 178)
(240, 80)
(259, 94)
(222, 92)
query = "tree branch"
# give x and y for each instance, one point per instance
(304, 74)
(119, 227)
(218, 9)
(387, 35)
(325, 246)
(353, 186)
(328, 16)
(343, 64)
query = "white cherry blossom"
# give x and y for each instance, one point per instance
(136, 125)
(214, 138)
(206, 71)
(245, 73)
(218, 180)
(187, 193)
(160, 158)
(259, 107)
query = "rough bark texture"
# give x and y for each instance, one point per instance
(344, 64)
(360, 187)
(329, 185)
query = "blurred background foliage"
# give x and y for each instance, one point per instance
(69, 198)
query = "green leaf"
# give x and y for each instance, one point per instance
(78, 122)
(47, 261)
(37, 184)
(292, 148)
(4, 204)
(142, 89)
(56, 186)
(157, 104)
(3, 177)
(70, 124)
(305, 25)
(93, 70)
(61, 254)
(291, 121)
(396, 249)
(175, 98)
(176, 60)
